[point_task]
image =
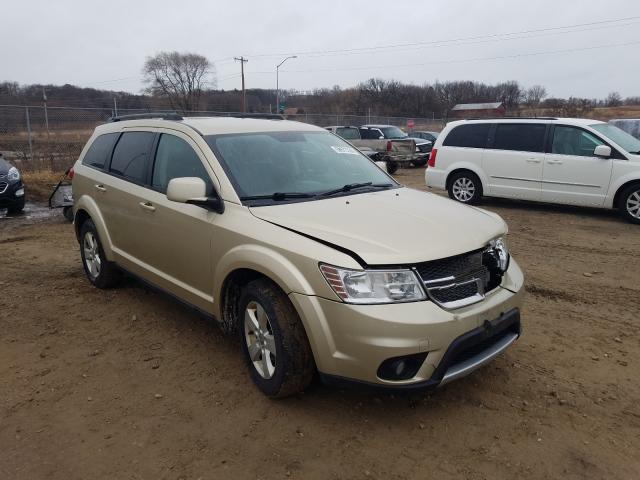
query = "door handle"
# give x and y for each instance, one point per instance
(148, 206)
(554, 162)
(100, 188)
(533, 160)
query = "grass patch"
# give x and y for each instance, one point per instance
(39, 183)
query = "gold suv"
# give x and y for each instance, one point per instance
(292, 239)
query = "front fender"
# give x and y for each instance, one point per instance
(87, 204)
(265, 261)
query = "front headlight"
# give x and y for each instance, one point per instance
(13, 175)
(500, 252)
(373, 286)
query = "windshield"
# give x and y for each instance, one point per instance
(303, 163)
(393, 132)
(622, 138)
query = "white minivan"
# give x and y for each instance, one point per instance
(556, 160)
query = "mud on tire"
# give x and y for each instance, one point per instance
(293, 359)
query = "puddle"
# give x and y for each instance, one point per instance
(32, 211)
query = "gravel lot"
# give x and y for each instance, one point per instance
(129, 384)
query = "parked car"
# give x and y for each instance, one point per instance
(12, 195)
(394, 152)
(556, 160)
(422, 153)
(431, 136)
(293, 240)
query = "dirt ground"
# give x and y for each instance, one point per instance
(129, 384)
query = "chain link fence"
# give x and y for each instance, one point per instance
(41, 138)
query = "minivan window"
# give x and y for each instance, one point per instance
(574, 141)
(174, 159)
(99, 150)
(619, 136)
(473, 135)
(348, 133)
(301, 162)
(524, 137)
(131, 156)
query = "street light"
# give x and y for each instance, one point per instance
(278, 82)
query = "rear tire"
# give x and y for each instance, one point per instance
(629, 203)
(274, 342)
(68, 213)
(100, 272)
(392, 167)
(465, 187)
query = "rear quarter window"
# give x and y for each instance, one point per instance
(471, 136)
(99, 150)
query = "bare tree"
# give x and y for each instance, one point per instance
(181, 77)
(613, 100)
(534, 95)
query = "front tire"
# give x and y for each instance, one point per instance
(17, 208)
(629, 204)
(274, 342)
(100, 272)
(465, 187)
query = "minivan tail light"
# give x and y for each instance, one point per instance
(432, 157)
(389, 146)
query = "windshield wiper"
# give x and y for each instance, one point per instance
(278, 196)
(353, 186)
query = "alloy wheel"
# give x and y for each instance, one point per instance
(463, 189)
(261, 344)
(633, 204)
(91, 254)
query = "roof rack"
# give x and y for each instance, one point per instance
(142, 116)
(262, 116)
(509, 118)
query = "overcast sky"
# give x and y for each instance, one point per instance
(104, 44)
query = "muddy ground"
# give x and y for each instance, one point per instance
(129, 384)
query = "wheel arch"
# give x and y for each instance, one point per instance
(465, 169)
(86, 209)
(622, 188)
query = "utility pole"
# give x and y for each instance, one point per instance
(278, 82)
(115, 107)
(46, 114)
(242, 61)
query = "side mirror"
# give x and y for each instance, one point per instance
(602, 151)
(193, 190)
(381, 137)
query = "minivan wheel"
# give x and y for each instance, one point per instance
(630, 203)
(99, 271)
(465, 187)
(274, 342)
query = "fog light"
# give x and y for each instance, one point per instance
(20, 192)
(401, 368)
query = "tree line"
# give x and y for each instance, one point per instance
(186, 82)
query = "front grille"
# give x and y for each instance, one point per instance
(3, 187)
(461, 280)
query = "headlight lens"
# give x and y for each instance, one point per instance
(501, 252)
(373, 286)
(13, 175)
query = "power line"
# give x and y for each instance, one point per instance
(497, 36)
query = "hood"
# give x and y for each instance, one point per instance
(391, 227)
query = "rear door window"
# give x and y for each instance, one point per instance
(370, 133)
(524, 137)
(99, 150)
(348, 133)
(131, 156)
(473, 135)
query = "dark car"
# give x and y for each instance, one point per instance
(431, 136)
(11, 187)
